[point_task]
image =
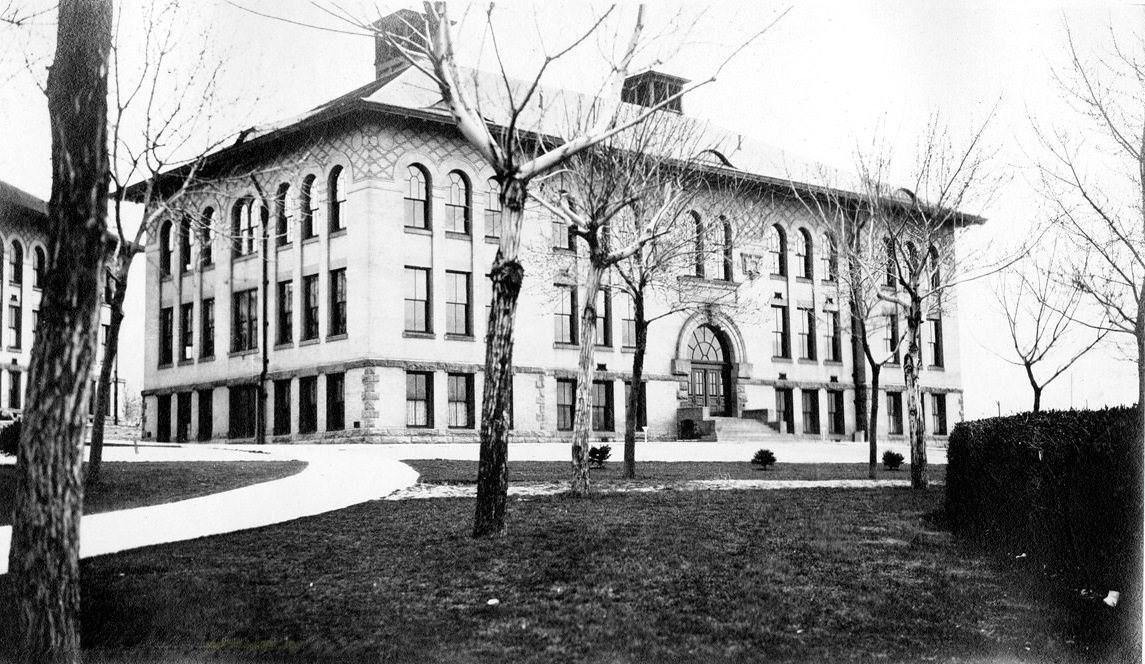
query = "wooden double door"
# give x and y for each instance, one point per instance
(709, 386)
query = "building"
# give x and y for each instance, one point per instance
(23, 237)
(329, 276)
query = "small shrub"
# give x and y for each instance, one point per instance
(10, 438)
(892, 460)
(763, 458)
(598, 455)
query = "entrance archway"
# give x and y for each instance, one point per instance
(710, 382)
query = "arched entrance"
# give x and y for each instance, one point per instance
(710, 383)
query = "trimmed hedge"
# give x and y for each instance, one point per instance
(1061, 487)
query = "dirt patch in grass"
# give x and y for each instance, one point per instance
(137, 484)
(448, 471)
(746, 576)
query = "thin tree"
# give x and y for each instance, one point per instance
(44, 555)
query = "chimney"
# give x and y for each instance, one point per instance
(651, 88)
(402, 24)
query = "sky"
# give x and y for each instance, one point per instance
(828, 79)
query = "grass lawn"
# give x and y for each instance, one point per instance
(446, 471)
(135, 484)
(813, 575)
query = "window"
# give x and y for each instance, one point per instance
(244, 313)
(700, 248)
(729, 264)
(108, 288)
(336, 197)
(14, 389)
(244, 228)
(205, 239)
(207, 338)
(284, 332)
(603, 318)
(935, 274)
(891, 337)
(807, 334)
(35, 321)
(335, 401)
(187, 331)
(493, 209)
(417, 300)
(830, 258)
(892, 272)
(166, 335)
(835, 412)
(243, 411)
(307, 207)
(17, 260)
(307, 404)
(784, 409)
(457, 205)
(641, 402)
(894, 413)
(834, 337)
(564, 237)
(602, 406)
(206, 414)
(281, 407)
(628, 322)
(417, 198)
(104, 333)
(805, 251)
(337, 302)
(566, 403)
(15, 325)
(938, 412)
(163, 418)
(810, 411)
(165, 249)
(777, 251)
(186, 238)
(283, 224)
(309, 307)
(935, 342)
(419, 399)
(38, 266)
(780, 337)
(565, 317)
(460, 387)
(457, 309)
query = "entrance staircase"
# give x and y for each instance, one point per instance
(738, 429)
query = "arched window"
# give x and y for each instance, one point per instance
(417, 198)
(243, 224)
(699, 224)
(186, 235)
(306, 207)
(892, 273)
(805, 249)
(206, 237)
(729, 274)
(935, 274)
(165, 249)
(493, 209)
(457, 205)
(17, 259)
(336, 197)
(777, 250)
(705, 346)
(283, 228)
(830, 258)
(39, 264)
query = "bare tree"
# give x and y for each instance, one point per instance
(44, 554)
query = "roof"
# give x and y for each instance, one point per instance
(14, 198)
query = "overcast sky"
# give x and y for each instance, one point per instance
(825, 80)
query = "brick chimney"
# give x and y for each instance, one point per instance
(402, 23)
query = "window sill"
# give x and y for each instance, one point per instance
(829, 281)
(165, 277)
(309, 240)
(837, 363)
(460, 337)
(468, 427)
(607, 346)
(714, 283)
(492, 239)
(808, 360)
(564, 250)
(416, 230)
(207, 358)
(803, 280)
(167, 365)
(628, 349)
(457, 235)
(778, 277)
(783, 360)
(339, 232)
(936, 367)
(565, 346)
(284, 345)
(308, 342)
(241, 353)
(337, 337)
(243, 258)
(412, 334)
(206, 267)
(420, 427)
(186, 362)
(15, 349)
(285, 246)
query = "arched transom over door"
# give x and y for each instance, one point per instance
(711, 370)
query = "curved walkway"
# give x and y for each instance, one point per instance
(335, 477)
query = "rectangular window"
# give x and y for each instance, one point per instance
(780, 337)
(938, 412)
(166, 335)
(15, 325)
(894, 413)
(207, 338)
(807, 334)
(284, 333)
(935, 342)
(187, 330)
(891, 337)
(310, 307)
(308, 404)
(641, 403)
(565, 318)
(419, 399)
(417, 300)
(335, 401)
(785, 409)
(628, 323)
(243, 410)
(493, 210)
(282, 407)
(566, 403)
(563, 235)
(810, 411)
(244, 313)
(337, 302)
(15, 390)
(835, 412)
(603, 318)
(206, 414)
(460, 388)
(834, 337)
(602, 406)
(458, 316)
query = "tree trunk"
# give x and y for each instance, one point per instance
(506, 274)
(44, 554)
(910, 365)
(1037, 399)
(873, 424)
(582, 418)
(637, 391)
(110, 350)
(859, 370)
